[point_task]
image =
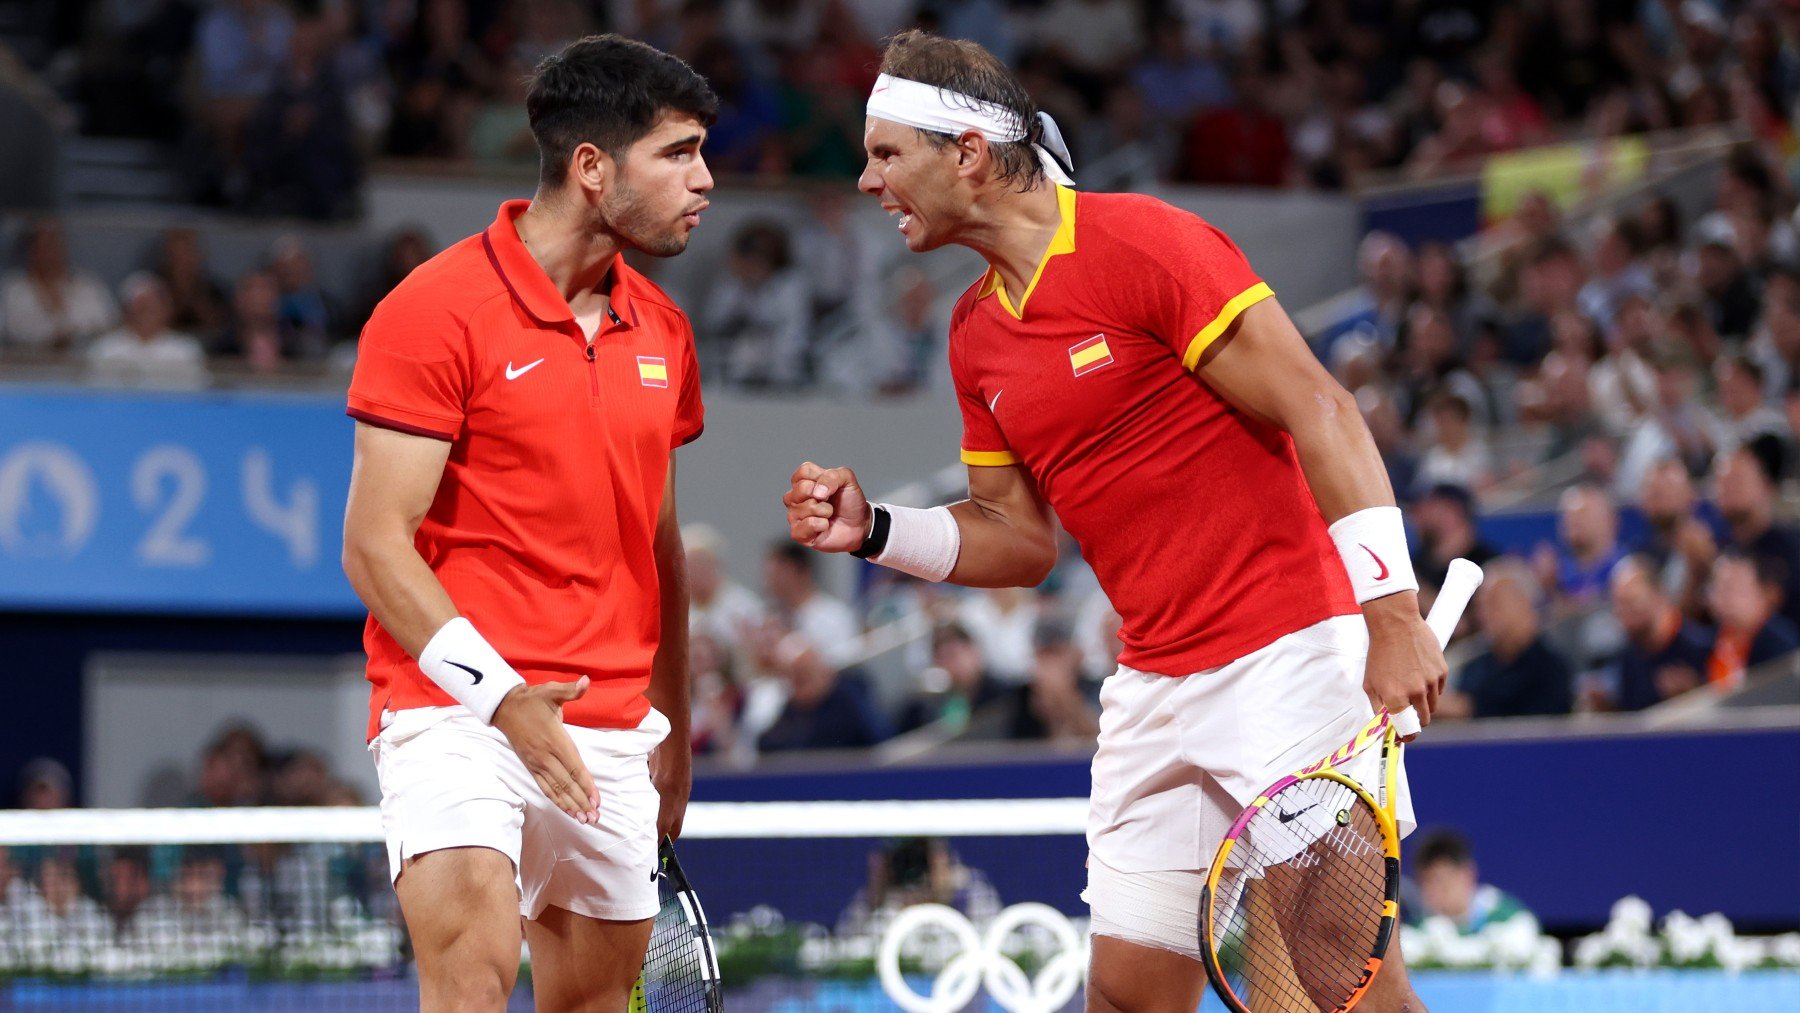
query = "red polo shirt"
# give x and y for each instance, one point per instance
(1195, 517)
(544, 521)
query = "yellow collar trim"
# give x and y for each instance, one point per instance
(1062, 242)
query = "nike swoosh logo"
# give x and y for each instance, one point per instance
(996, 399)
(472, 671)
(514, 374)
(1285, 817)
(1383, 575)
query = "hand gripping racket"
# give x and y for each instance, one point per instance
(681, 969)
(1300, 903)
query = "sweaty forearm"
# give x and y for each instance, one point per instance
(400, 591)
(1337, 454)
(1001, 550)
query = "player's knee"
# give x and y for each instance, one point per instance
(1159, 910)
(474, 971)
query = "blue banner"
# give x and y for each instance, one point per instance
(187, 503)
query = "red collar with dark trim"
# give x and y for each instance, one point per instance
(526, 279)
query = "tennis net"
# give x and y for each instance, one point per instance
(276, 909)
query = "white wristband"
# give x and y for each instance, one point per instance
(1372, 544)
(465, 666)
(924, 543)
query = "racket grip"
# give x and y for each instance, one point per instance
(1459, 586)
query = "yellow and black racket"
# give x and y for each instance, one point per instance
(681, 969)
(1301, 900)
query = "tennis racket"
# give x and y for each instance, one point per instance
(1300, 903)
(681, 969)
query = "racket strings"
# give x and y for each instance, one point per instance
(1298, 923)
(675, 979)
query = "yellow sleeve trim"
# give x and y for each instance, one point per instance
(1249, 297)
(990, 458)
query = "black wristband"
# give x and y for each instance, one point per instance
(876, 539)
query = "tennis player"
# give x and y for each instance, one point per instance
(512, 529)
(1121, 364)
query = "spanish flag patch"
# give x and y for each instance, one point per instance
(1089, 355)
(653, 371)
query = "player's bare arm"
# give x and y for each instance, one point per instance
(1003, 529)
(393, 480)
(672, 764)
(1265, 369)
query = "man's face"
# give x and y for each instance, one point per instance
(1635, 604)
(659, 187)
(1744, 495)
(1447, 888)
(915, 181)
(1668, 494)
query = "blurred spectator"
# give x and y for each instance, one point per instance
(145, 352)
(438, 70)
(1244, 144)
(240, 47)
(1061, 703)
(823, 621)
(1677, 426)
(1746, 495)
(1577, 568)
(1093, 37)
(301, 777)
(1730, 294)
(717, 700)
(1379, 306)
(127, 889)
(918, 870)
(1450, 885)
(57, 916)
(14, 887)
(956, 685)
(718, 607)
(306, 310)
(256, 333)
(1622, 383)
(1001, 619)
(1664, 652)
(300, 146)
(1745, 595)
(743, 140)
(757, 318)
(1445, 520)
(49, 308)
(1177, 80)
(1457, 455)
(1775, 346)
(830, 251)
(826, 708)
(45, 783)
(1746, 418)
(196, 913)
(916, 334)
(1672, 514)
(406, 248)
(1618, 273)
(196, 297)
(1520, 673)
(232, 768)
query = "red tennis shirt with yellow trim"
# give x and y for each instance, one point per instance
(1195, 517)
(544, 521)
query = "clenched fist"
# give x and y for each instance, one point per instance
(826, 509)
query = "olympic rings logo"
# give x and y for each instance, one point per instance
(981, 961)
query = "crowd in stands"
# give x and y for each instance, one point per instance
(178, 909)
(281, 103)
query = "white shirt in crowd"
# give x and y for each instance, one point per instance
(733, 609)
(830, 626)
(1002, 629)
(168, 360)
(30, 321)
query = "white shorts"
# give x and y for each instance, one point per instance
(1180, 758)
(449, 781)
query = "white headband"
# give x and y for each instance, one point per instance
(941, 111)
